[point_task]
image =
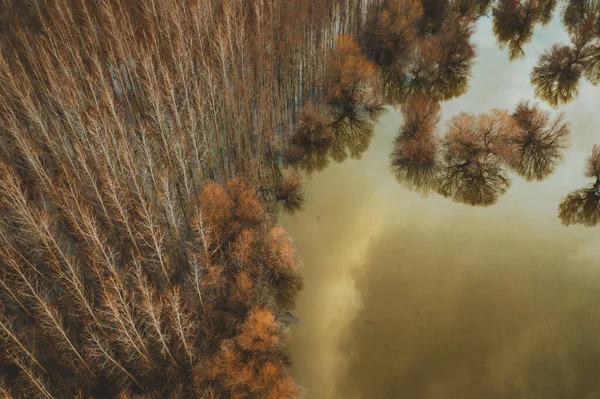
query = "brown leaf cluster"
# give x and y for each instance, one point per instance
(340, 125)
(421, 47)
(124, 270)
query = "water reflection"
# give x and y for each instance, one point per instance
(458, 316)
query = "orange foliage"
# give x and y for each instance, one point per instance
(539, 144)
(414, 158)
(421, 114)
(229, 368)
(349, 74)
(224, 211)
(280, 253)
(474, 151)
(216, 206)
(473, 137)
(260, 331)
(390, 35)
(242, 246)
(212, 276)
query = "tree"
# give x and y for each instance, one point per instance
(469, 164)
(117, 326)
(575, 12)
(342, 124)
(389, 33)
(582, 206)
(558, 71)
(311, 142)
(414, 159)
(426, 51)
(350, 78)
(539, 143)
(556, 75)
(474, 8)
(473, 151)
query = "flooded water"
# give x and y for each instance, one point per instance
(412, 297)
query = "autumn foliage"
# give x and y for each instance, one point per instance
(340, 124)
(126, 270)
(474, 149)
(539, 143)
(514, 22)
(557, 75)
(210, 323)
(137, 257)
(420, 47)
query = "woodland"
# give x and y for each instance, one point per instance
(147, 147)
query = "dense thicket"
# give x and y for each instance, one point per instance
(122, 268)
(559, 70)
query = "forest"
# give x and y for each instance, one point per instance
(148, 147)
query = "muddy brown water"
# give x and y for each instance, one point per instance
(412, 297)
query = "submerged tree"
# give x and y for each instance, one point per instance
(582, 206)
(414, 159)
(559, 70)
(350, 79)
(470, 165)
(390, 32)
(290, 192)
(515, 20)
(341, 124)
(309, 144)
(440, 65)
(539, 143)
(473, 151)
(420, 48)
